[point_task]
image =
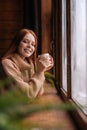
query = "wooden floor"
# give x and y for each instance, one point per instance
(49, 118)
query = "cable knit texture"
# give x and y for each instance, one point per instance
(23, 73)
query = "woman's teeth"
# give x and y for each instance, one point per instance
(27, 51)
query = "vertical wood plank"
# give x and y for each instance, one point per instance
(11, 20)
(46, 25)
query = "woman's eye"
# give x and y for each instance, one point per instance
(28, 42)
(33, 44)
(25, 41)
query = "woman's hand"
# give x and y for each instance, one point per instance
(44, 63)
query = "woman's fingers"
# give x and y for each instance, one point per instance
(46, 62)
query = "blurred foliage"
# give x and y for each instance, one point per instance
(50, 78)
(14, 106)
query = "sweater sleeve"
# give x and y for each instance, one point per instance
(33, 87)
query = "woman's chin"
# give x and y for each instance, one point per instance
(28, 55)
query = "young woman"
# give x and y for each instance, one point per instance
(21, 64)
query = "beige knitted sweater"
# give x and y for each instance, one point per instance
(23, 73)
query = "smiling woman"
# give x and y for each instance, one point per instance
(21, 64)
(27, 46)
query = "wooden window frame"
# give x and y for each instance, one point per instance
(79, 117)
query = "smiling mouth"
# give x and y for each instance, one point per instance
(27, 51)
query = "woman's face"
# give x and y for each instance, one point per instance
(27, 46)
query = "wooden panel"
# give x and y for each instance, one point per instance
(11, 20)
(10, 25)
(8, 34)
(10, 5)
(4, 43)
(46, 21)
(16, 16)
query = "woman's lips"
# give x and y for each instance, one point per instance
(27, 50)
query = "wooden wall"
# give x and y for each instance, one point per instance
(16, 14)
(11, 20)
(46, 25)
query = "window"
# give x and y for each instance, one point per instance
(64, 47)
(71, 24)
(79, 53)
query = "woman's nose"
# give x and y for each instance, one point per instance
(29, 44)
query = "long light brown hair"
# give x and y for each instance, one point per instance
(13, 48)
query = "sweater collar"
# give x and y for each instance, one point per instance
(23, 65)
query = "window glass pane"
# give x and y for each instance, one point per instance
(64, 50)
(79, 53)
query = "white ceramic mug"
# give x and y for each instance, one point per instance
(44, 55)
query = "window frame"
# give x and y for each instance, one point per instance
(79, 117)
